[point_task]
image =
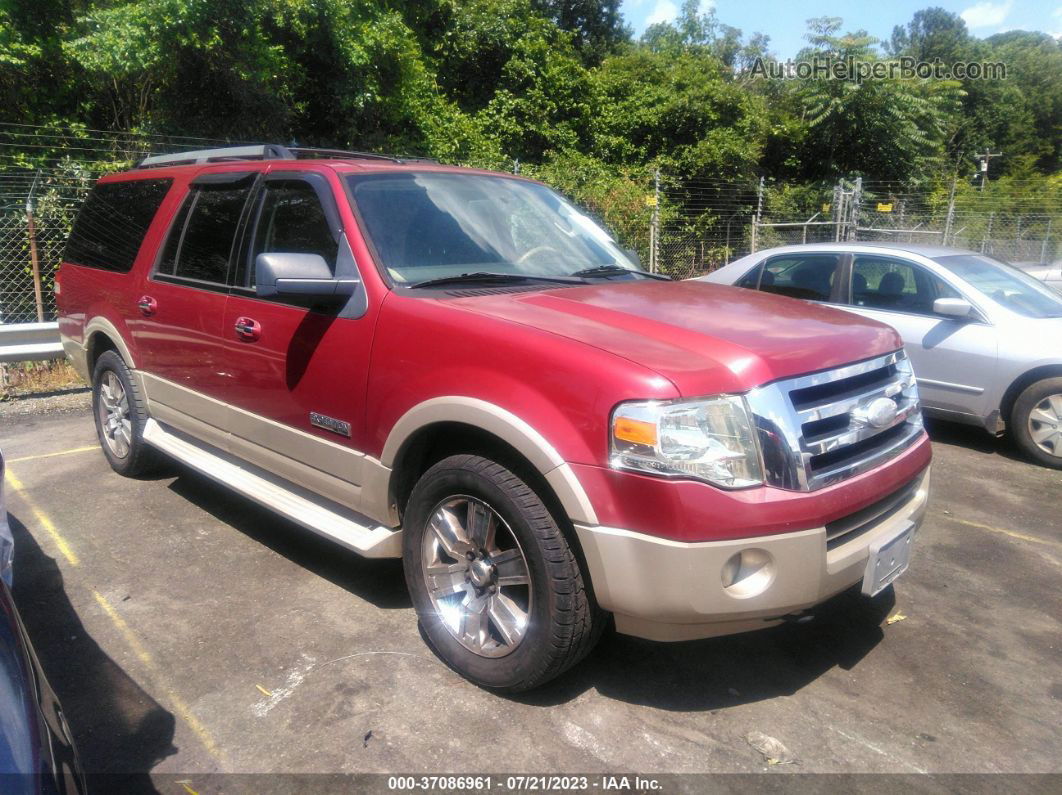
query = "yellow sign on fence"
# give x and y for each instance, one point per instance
(884, 208)
(650, 201)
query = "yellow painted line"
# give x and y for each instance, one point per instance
(130, 637)
(43, 520)
(142, 654)
(53, 455)
(1011, 533)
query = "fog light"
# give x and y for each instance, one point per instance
(748, 573)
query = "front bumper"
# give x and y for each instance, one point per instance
(671, 590)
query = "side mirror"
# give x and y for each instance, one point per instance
(302, 277)
(953, 307)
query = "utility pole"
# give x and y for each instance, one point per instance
(988, 155)
(756, 219)
(31, 229)
(951, 211)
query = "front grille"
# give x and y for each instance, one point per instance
(819, 429)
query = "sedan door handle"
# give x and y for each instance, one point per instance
(248, 328)
(148, 305)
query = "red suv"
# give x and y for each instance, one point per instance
(462, 369)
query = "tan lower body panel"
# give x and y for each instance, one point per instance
(670, 590)
(311, 466)
(346, 527)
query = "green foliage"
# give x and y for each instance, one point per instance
(557, 85)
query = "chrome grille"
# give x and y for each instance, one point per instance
(822, 428)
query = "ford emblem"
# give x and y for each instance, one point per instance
(880, 412)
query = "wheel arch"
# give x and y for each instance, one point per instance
(444, 426)
(102, 335)
(1023, 382)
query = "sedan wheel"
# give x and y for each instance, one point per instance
(1045, 425)
(1036, 421)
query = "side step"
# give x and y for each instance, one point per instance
(353, 531)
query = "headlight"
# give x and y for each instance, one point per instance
(709, 439)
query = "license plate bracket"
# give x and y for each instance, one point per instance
(889, 558)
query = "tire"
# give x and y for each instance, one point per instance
(1036, 422)
(118, 408)
(540, 618)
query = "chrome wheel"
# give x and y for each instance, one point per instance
(113, 411)
(477, 576)
(1045, 425)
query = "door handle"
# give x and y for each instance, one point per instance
(148, 305)
(248, 328)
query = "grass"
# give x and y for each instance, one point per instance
(31, 378)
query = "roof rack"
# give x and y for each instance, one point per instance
(257, 152)
(263, 152)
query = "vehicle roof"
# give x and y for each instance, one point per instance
(921, 249)
(342, 165)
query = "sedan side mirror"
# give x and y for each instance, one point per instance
(305, 278)
(953, 307)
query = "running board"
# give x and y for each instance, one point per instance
(369, 539)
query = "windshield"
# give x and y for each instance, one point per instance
(429, 225)
(1005, 284)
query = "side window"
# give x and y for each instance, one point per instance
(113, 221)
(292, 221)
(885, 283)
(206, 242)
(807, 276)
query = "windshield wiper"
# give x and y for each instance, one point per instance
(610, 270)
(486, 276)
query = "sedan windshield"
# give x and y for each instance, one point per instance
(429, 225)
(1004, 284)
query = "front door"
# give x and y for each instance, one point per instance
(295, 377)
(954, 360)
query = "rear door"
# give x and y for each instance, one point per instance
(811, 276)
(182, 305)
(295, 376)
(953, 359)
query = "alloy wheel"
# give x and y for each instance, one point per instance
(113, 411)
(477, 576)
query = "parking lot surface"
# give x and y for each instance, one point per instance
(188, 631)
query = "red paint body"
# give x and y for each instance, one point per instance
(560, 359)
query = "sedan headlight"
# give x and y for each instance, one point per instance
(709, 439)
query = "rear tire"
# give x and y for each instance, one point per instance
(1036, 422)
(120, 416)
(498, 591)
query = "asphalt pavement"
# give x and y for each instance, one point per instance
(189, 632)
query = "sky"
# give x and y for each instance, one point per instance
(784, 20)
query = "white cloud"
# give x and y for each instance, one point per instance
(986, 14)
(708, 5)
(663, 11)
(1058, 13)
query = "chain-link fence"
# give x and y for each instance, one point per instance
(685, 227)
(704, 225)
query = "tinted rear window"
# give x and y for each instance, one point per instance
(113, 221)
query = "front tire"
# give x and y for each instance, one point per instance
(498, 591)
(1036, 421)
(120, 416)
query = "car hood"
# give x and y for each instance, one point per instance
(705, 338)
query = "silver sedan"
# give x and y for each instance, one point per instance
(985, 338)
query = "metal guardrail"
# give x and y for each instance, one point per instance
(29, 342)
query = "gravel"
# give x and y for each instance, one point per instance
(65, 402)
